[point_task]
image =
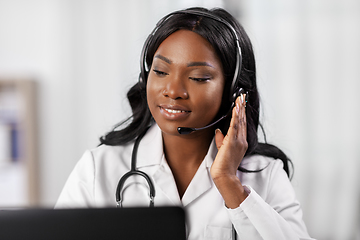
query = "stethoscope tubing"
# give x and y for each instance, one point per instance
(133, 172)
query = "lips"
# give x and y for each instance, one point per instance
(174, 112)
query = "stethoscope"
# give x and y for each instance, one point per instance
(133, 171)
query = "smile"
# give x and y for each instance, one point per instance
(174, 112)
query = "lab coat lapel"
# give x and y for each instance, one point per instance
(151, 153)
(164, 179)
(198, 185)
(150, 149)
(202, 180)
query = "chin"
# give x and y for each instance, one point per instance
(169, 129)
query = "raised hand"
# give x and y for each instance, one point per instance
(231, 150)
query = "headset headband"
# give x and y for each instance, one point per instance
(143, 66)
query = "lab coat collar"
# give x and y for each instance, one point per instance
(211, 154)
(150, 150)
(151, 153)
(202, 180)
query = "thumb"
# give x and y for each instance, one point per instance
(219, 137)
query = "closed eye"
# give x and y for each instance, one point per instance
(160, 73)
(200, 79)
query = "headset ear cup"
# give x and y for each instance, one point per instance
(142, 81)
(237, 93)
(143, 77)
(143, 73)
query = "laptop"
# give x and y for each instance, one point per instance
(93, 224)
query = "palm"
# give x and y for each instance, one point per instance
(232, 147)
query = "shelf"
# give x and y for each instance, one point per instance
(18, 144)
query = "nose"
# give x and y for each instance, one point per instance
(176, 89)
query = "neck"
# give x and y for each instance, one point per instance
(184, 155)
(189, 149)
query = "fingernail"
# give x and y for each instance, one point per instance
(218, 130)
(237, 107)
(242, 98)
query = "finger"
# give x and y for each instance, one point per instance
(233, 131)
(242, 117)
(219, 138)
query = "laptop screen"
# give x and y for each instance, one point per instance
(96, 223)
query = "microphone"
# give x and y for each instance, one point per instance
(187, 130)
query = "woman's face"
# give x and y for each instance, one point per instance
(185, 83)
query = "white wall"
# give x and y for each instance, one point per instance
(85, 55)
(308, 58)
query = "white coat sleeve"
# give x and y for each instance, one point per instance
(78, 191)
(277, 217)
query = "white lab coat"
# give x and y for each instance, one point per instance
(270, 212)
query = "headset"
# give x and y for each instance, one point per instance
(234, 93)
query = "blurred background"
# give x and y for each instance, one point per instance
(66, 65)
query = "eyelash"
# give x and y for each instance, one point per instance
(199, 79)
(161, 73)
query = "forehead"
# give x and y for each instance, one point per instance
(185, 45)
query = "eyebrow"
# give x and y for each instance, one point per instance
(196, 64)
(191, 64)
(165, 59)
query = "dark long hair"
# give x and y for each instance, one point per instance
(222, 39)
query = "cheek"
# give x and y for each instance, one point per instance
(209, 100)
(151, 91)
(149, 94)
